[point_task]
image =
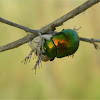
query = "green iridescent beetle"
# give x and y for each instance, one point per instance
(62, 44)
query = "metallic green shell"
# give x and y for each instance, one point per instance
(63, 44)
(67, 42)
(50, 49)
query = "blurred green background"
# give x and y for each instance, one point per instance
(64, 78)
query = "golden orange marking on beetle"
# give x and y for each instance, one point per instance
(56, 41)
(50, 45)
(62, 42)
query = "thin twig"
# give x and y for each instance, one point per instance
(69, 15)
(18, 26)
(17, 43)
(47, 28)
(91, 41)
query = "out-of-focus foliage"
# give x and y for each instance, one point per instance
(61, 79)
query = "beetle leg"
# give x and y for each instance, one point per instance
(75, 29)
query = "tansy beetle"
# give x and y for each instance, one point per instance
(62, 44)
